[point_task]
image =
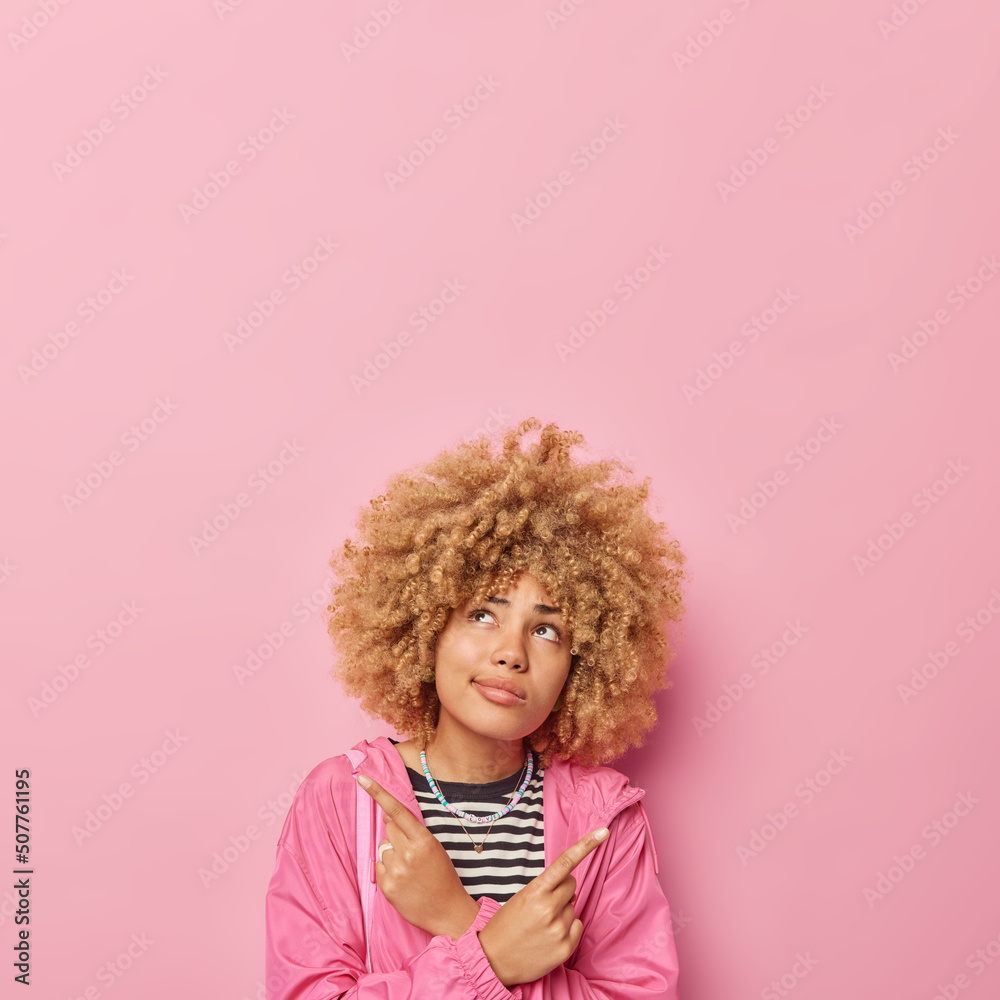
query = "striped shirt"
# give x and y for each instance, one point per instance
(514, 851)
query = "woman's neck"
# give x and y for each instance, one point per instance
(472, 761)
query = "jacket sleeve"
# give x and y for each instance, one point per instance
(626, 951)
(314, 938)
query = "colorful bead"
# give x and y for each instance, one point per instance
(461, 813)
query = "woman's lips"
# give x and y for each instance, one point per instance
(498, 695)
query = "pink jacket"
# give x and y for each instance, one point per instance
(315, 947)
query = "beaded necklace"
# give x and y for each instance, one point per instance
(461, 813)
(479, 847)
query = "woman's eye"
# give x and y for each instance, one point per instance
(473, 617)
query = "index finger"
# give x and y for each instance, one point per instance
(392, 807)
(570, 858)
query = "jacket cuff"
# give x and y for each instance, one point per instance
(474, 961)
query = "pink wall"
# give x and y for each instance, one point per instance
(257, 210)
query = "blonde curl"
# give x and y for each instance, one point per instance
(465, 526)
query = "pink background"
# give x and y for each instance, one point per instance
(216, 410)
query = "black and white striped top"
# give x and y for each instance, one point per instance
(513, 853)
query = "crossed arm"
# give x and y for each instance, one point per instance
(619, 947)
(534, 931)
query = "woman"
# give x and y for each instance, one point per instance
(507, 612)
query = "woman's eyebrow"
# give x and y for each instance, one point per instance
(543, 609)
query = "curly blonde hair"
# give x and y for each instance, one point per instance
(465, 526)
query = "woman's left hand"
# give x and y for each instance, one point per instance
(417, 876)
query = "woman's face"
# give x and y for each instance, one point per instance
(517, 637)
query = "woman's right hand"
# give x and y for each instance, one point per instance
(536, 929)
